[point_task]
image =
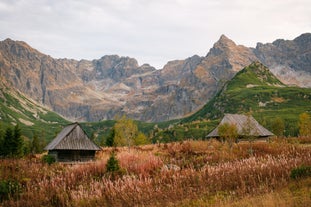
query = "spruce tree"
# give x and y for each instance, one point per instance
(17, 142)
(1, 140)
(110, 138)
(35, 145)
(8, 142)
(112, 164)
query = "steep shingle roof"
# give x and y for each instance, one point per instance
(242, 122)
(72, 137)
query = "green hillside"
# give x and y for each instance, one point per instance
(257, 90)
(31, 117)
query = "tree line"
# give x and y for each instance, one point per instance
(13, 144)
(124, 133)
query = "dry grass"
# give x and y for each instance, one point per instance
(210, 174)
(293, 195)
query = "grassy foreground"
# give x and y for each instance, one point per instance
(189, 173)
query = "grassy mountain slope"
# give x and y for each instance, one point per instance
(257, 90)
(32, 118)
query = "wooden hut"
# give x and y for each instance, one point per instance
(246, 126)
(71, 145)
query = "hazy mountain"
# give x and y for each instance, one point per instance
(102, 88)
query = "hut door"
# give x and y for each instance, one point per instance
(76, 156)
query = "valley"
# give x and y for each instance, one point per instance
(155, 103)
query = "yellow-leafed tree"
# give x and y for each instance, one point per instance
(126, 133)
(229, 132)
(304, 124)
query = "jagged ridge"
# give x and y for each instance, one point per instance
(100, 89)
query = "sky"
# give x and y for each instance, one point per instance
(151, 31)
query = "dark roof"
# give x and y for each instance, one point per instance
(241, 122)
(72, 137)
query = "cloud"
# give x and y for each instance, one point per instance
(148, 30)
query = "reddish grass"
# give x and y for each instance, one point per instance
(139, 163)
(207, 168)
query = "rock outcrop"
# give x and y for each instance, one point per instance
(289, 60)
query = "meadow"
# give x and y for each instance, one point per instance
(188, 173)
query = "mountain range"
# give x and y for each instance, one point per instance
(100, 89)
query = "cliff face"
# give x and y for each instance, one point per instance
(102, 88)
(289, 60)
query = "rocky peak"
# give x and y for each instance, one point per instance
(257, 74)
(223, 45)
(225, 41)
(117, 68)
(258, 65)
(304, 41)
(114, 61)
(19, 49)
(227, 57)
(258, 68)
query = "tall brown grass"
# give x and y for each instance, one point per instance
(208, 169)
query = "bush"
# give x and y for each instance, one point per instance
(112, 164)
(300, 172)
(49, 159)
(9, 189)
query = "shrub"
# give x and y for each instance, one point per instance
(112, 164)
(8, 189)
(49, 159)
(299, 172)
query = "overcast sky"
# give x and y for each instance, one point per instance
(152, 31)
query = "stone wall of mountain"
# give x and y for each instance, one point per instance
(289, 60)
(112, 85)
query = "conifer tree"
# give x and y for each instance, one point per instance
(35, 145)
(17, 147)
(112, 164)
(8, 142)
(1, 140)
(110, 139)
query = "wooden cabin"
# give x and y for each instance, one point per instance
(72, 145)
(242, 122)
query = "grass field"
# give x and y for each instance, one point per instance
(188, 173)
